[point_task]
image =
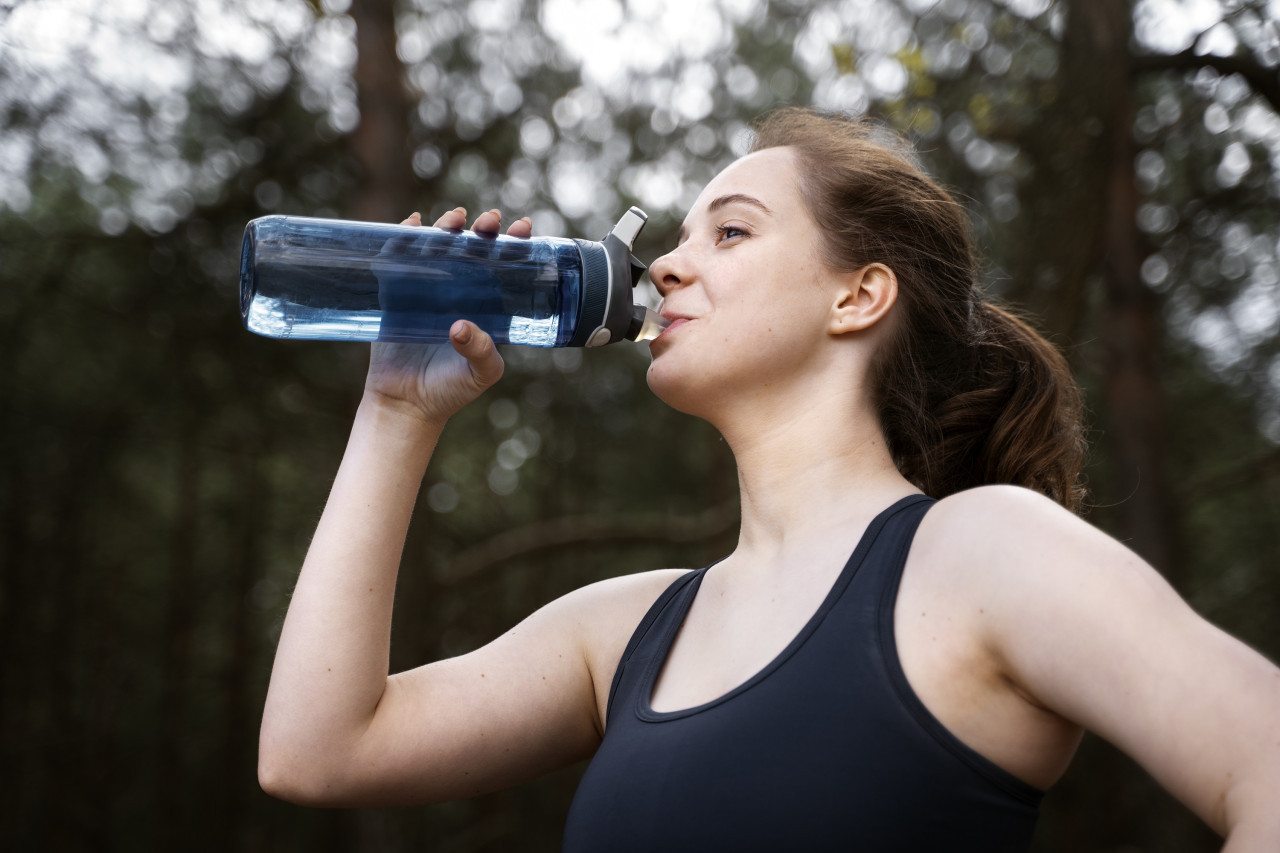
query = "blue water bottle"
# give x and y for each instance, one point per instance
(327, 279)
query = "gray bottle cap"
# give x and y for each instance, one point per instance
(609, 273)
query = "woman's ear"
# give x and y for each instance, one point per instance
(865, 296)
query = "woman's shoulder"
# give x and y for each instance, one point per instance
(605, 614)
(1082, 626)
(1003, 519)
(613, 599)
(1032, 569)
(1013, 538)
(599, 618)
(999, 499)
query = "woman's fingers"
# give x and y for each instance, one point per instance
(522, 227)
(489, 222)
(456, 219)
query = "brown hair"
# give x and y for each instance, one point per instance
(967, 392)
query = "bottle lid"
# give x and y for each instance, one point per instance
(609, 273)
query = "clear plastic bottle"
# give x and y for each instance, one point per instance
(325, 279)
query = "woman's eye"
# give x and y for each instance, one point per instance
(724, 232)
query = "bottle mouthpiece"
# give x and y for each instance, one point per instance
(646, 324)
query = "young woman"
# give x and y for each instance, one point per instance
(914, 629)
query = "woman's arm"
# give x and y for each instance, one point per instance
(331, 663)
(1089, 630)
(335, 729)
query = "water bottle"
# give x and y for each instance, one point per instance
(326, 279)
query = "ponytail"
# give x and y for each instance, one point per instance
(1007, 411)
(968, 394)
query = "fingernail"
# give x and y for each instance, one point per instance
(526, 219)
(463, 335)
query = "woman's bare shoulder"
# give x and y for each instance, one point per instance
(1002, 523)
(1017, 544)
(605, 614)
(998, 503)
(1087, 629)
(608, 611)
(1008, 550)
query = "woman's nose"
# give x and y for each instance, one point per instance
(668, 272)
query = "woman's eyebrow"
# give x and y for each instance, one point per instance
(739, 198)
(725, 200)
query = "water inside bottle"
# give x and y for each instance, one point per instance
(330, 280)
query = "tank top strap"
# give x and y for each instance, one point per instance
(881, 567)
(883, 545)
(884, 578)
(669, 607)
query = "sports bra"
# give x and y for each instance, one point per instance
(826, 748)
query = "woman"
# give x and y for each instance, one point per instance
(903, 649)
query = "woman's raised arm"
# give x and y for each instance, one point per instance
(336, 730)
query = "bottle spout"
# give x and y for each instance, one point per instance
(646, 324)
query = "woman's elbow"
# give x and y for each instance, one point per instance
(283, 777)
(275, 779)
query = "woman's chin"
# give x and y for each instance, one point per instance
(686, 390)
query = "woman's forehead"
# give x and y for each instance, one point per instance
(766, 176)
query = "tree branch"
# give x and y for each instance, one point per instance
(586, 529)
(1263, 80)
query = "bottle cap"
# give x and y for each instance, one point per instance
(609, 273)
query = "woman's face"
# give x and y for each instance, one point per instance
(746, 288)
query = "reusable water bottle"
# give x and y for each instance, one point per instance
(326, 279)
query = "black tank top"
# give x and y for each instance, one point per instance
(826, 748)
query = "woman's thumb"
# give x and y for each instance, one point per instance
(475, 345)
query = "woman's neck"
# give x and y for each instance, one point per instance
(806, 471)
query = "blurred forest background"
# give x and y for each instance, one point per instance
(162, 469)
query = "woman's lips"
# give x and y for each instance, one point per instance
(676, 322)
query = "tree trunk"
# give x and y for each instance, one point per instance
(384, 193)
(1131, 323)
(380, 143)
(1099, 102)
(1057, 259)
(1105, 801)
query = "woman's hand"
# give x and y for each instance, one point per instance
(434, 381)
